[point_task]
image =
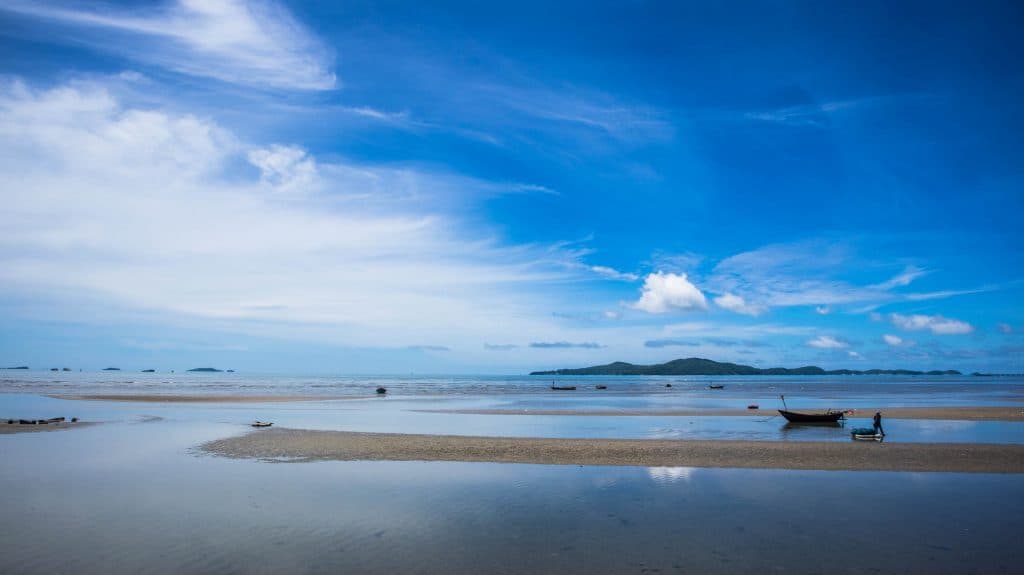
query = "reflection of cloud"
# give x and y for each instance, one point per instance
(670, 474)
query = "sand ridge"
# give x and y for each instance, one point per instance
(308, 445)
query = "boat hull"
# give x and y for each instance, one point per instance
(828, 417)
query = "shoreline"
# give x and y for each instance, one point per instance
(299, 445)
(1009, 414)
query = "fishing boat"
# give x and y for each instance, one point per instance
(262, 424)
(563, 387)
(830, 416)
(716, 386)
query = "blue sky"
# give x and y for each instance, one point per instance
(396, 187)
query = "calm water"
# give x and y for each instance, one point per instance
(133, 497)
(625, 392)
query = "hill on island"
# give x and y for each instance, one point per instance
(700, 366)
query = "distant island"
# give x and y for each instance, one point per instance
(149, 371)
(206, 369)
(19, 367)
(699, 366)
(111, 369)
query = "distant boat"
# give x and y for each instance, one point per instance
(563, 387)
(600, 386)
(753, 406)
(716, 386)
(262, 424)
(829, 416)
(382, 390)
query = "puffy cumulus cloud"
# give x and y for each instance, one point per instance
(665, 292)
(1005, 328)
(826, 342)
(935, 323)
(737, 304)
(258, 43)
(285, 168)
(144, 214)
(892, 340)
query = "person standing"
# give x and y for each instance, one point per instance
(877, 420)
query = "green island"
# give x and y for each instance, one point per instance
(700, 366)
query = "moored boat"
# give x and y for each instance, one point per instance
(829, 416)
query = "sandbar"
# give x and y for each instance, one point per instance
(298, 445)
(170, 398)
(944, 413)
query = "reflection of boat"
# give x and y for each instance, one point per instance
(865, 434)
(829, 416)
(716, 386)
(563, 388)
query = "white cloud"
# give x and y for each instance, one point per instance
(142, 213)
(611, 314)
(854, 355)
(736, 304)
(1005, 328)
(664, 292)
(285, 168)
(909, 274)
(892, 340)
(826, 342)
(256, 43)
(875, 316)
(822, 310)
(935, 323)
(614, 274)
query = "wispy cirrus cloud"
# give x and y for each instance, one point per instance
(808, 273)
(500, 346)
(172, 216)
(564, 345)
(256, 43)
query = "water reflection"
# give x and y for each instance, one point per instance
(131, 498)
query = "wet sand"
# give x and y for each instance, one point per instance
(8, 428)
(307, 445)
(944, 413)
(157, 398)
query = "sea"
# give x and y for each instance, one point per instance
(133, 494)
